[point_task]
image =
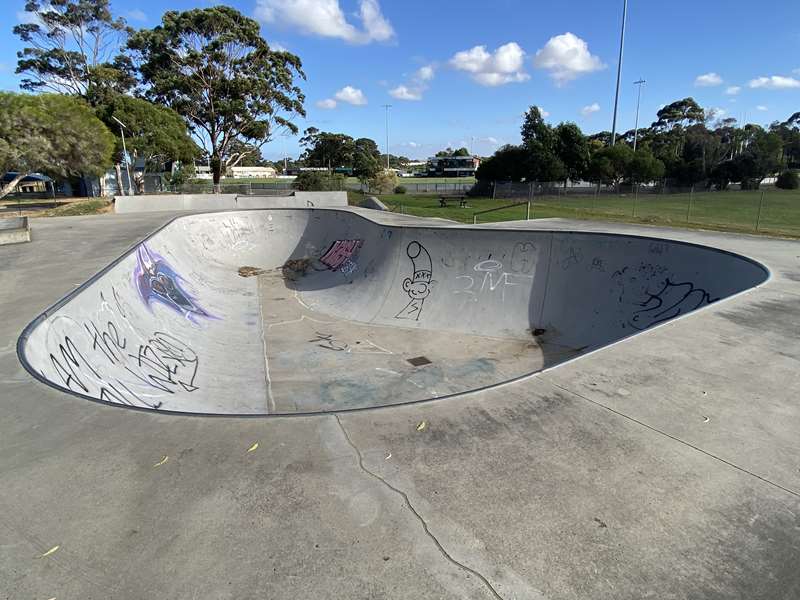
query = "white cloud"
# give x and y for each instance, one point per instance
(775, 82)
(732, 90)
(567, 57)
(425, 73)
(351, 95)
(492, 140)
(590, 108)
(136, 15)
(326, 18)
(716, 113)
(419, 83)
(327, 104)
(543, 112)
(796, 71)
(708, 80)
(402, 92)
(761, 107)
(504, 65)
(278, 47)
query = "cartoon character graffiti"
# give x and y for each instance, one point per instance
(158, 282)
(418, 286)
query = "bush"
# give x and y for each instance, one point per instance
(400, 189)
(383, 183)
(318, 181)
(788, 180)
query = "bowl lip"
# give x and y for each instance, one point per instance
(64, 300)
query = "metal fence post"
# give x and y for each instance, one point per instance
(760, 205)
(494, 189)
(689, 207)
(528, 211)
(635, 199)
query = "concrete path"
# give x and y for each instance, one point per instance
(662, 466)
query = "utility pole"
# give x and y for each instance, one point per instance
(640, 83)
(619, 72)
(387, 107)
(122, 128)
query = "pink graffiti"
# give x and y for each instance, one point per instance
(339, 252)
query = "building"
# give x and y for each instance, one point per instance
(204, 172)
(453, 166)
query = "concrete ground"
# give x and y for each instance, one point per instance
(664, 466)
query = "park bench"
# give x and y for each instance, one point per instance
(462, 200)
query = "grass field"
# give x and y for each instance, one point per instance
(724, 211)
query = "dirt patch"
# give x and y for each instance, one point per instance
(294, 268)
(250, 271)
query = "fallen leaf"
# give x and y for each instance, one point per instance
(253, 447)
(51, 551)
(164, 459)
(422, 425)
(388, 456)
(705, 419)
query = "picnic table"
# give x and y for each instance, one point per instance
(462, 200)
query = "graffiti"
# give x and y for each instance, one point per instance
(156, 281)
(97, 359)
(492, 277)
(523, 257)
(573, 258)
(328, 342)
(339, 252)
(671, 300)
(597, 265)
(348, 267)
(418, 286)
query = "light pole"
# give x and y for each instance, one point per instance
(640, 83)
(619, 72)
(122, 128)
(387, 107)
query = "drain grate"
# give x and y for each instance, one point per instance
(419, 361)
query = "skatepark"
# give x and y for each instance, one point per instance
(538, 409)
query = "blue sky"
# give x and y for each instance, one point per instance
(462, 73)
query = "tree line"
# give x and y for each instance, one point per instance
(202, 82)
(685, 146)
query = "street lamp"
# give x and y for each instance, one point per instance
(640, 83)
(122, 128)
(387, 107)
(619, 72)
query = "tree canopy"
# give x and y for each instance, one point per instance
(155, 135)
(71, 47)
(52, 134)
(212, 66)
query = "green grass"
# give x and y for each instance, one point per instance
(724, 211)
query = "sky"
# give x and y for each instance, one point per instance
(463, 73)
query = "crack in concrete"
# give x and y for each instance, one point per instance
(419, 517)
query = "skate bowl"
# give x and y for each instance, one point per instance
(299, 311)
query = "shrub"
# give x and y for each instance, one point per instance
(400, 189)
(788, 180)
(318, 181)
(383, 183)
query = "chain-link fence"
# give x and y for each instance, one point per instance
(766, 210)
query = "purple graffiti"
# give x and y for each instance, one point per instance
(158, 282)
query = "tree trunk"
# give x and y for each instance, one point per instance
(216, 172)
(118, 177)
(9, 187)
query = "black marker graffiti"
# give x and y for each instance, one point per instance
(418, 286)
(671, 300)
(328, 342)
